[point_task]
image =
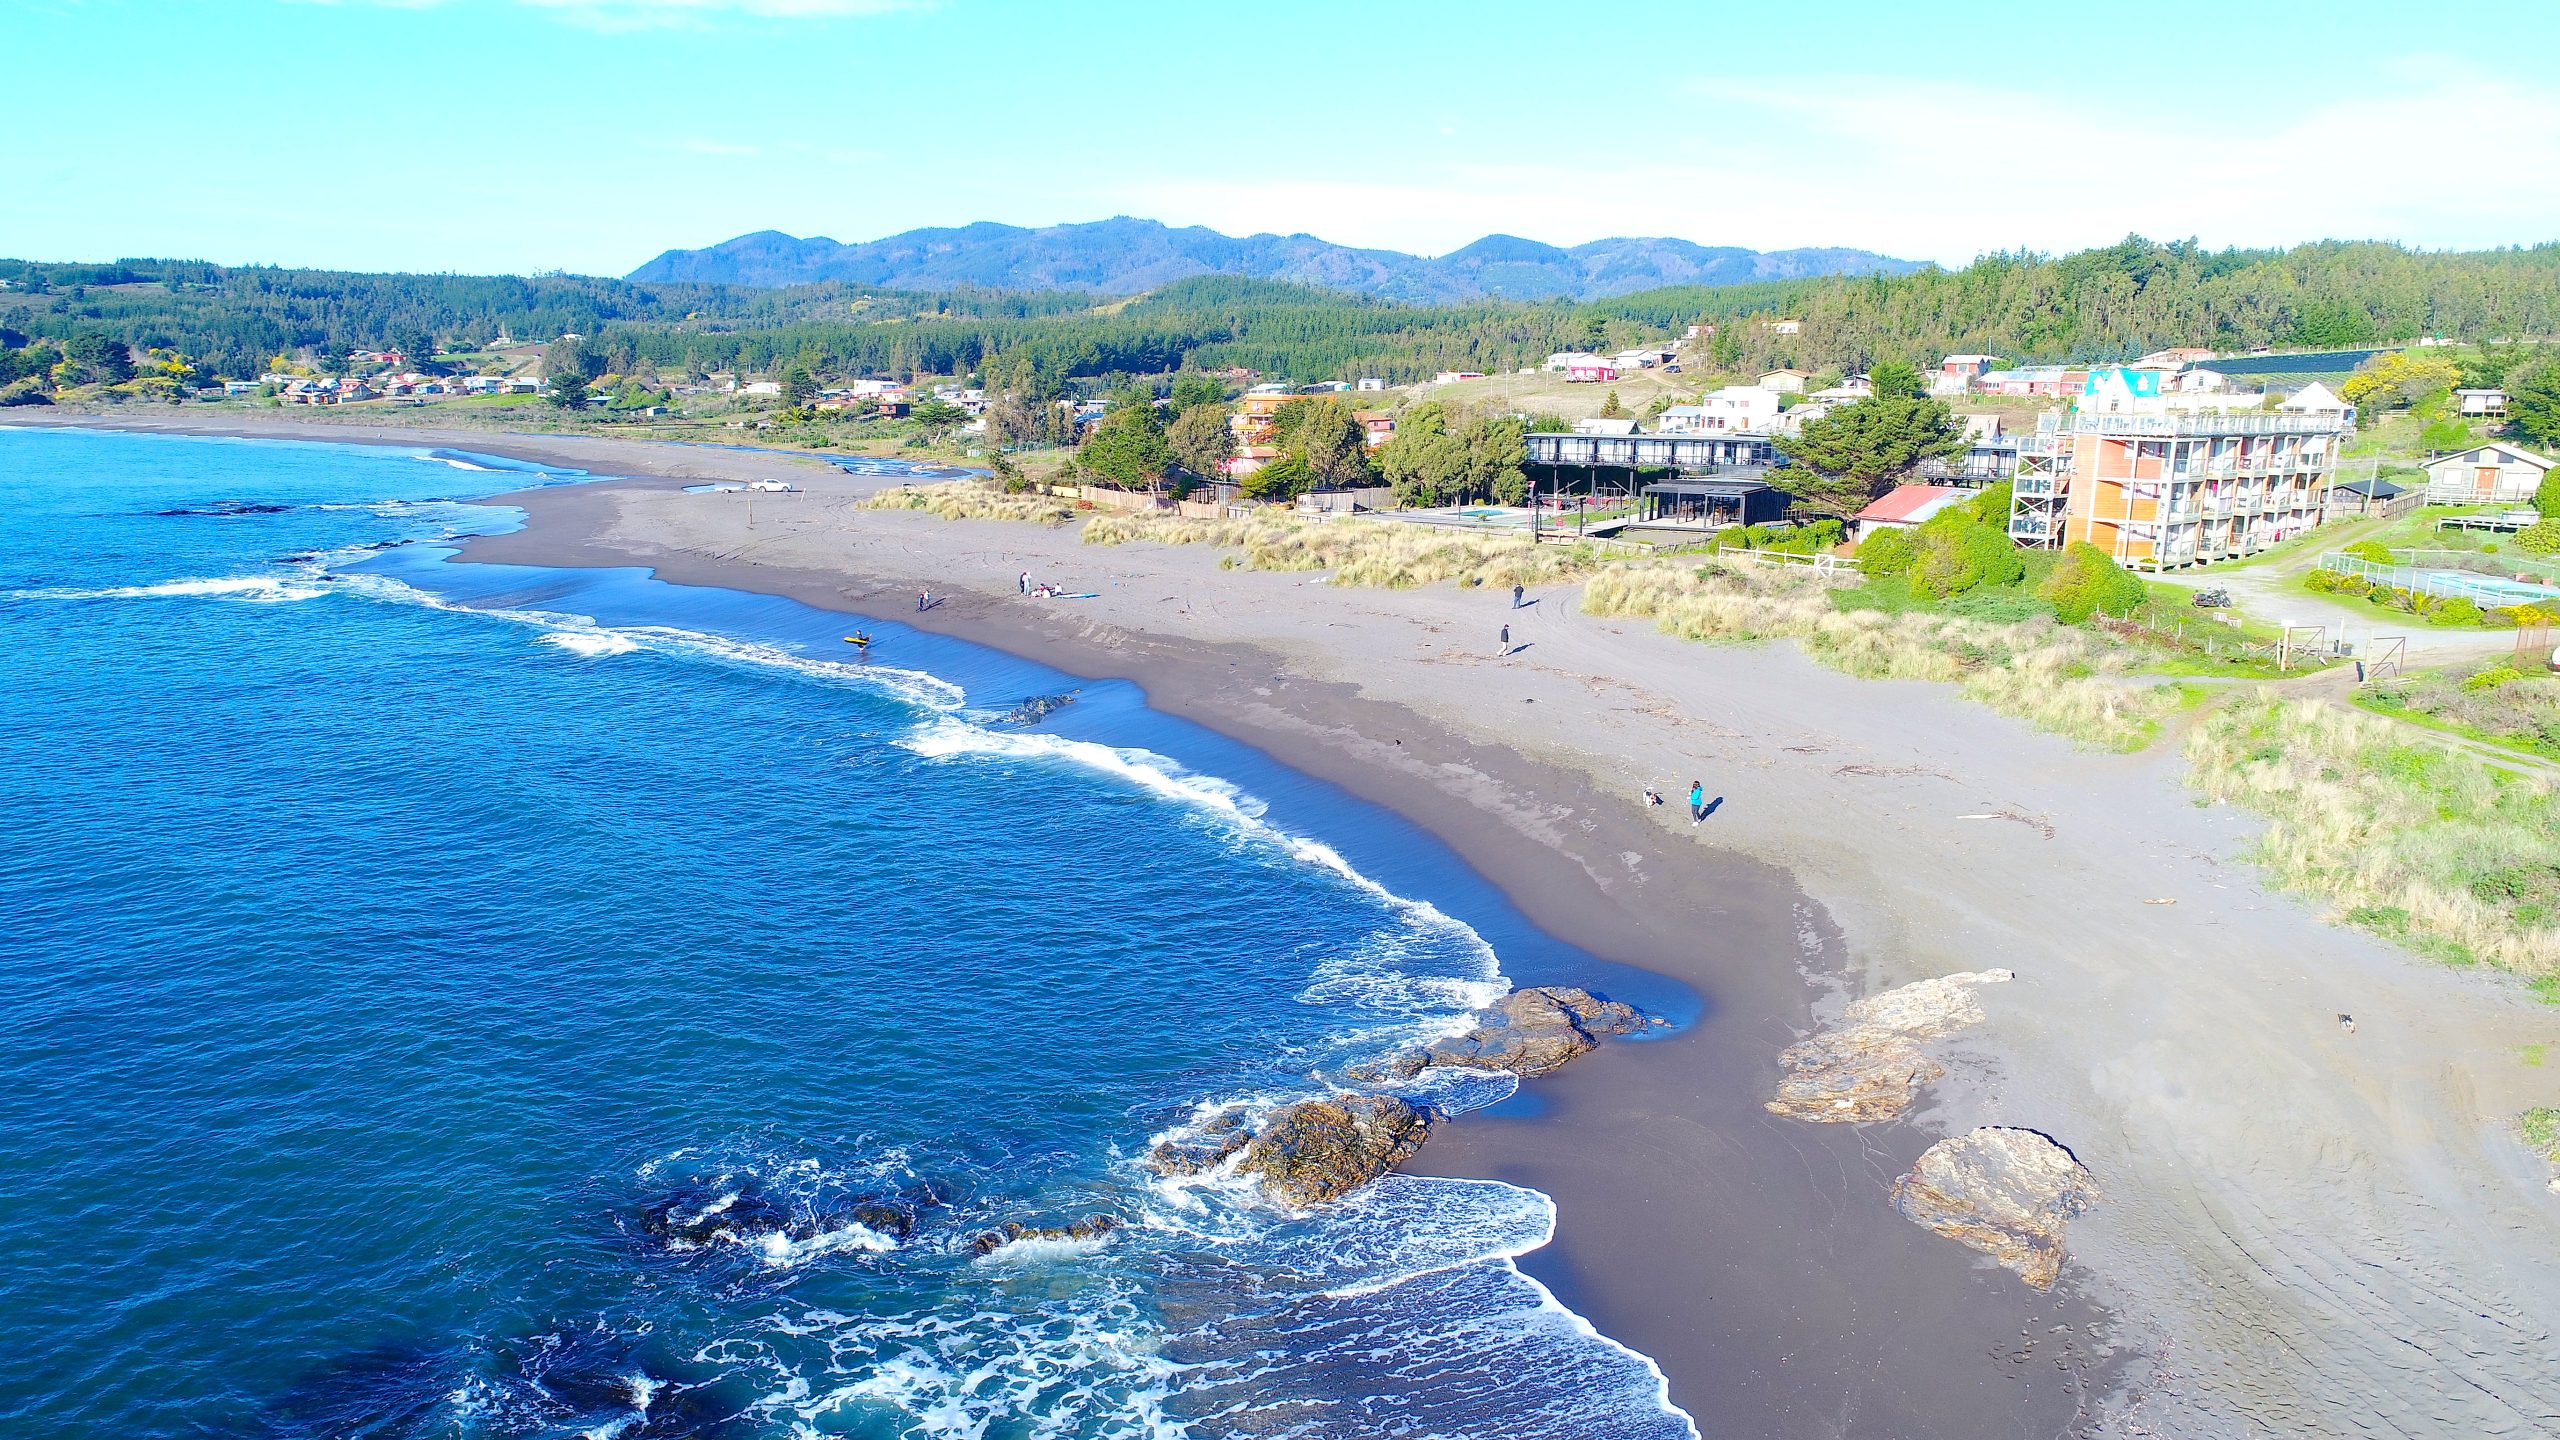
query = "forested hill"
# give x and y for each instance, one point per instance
(2097, 305)
(2136, 296)
(1122, 256)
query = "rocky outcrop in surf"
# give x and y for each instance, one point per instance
(743, 1213)
(1317, 1151)
(1038, 708)
(1528, 1032)
(1869, 1065)
(2006, 1192)
(1091, 1227)
(1202, 1147)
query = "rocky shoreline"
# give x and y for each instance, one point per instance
(1315, 1151)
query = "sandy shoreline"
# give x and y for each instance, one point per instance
(2305, 1231)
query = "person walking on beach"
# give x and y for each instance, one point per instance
(924, 601)
(1515, 597)
(1506, 639)
(1024, 584)
(1697, 801)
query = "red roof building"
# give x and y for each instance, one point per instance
(1904, 505)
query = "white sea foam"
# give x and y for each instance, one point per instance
(916, 687)
(257, 589)
(949, 737)
(592, 643)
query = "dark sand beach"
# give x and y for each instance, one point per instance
(2301, 1231)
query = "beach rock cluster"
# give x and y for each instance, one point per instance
(1304, 1153)
(1869, 1066)
(1038, 708)
(2003, 1191)
(1528, 1032)
(1317, 1151)
(1091, 1227)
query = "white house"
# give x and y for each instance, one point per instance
(1783, 327)
(1452, 377)
(1567, 359)
(1632, 360)
(761, 387)
(1371, 382)
(2482, 404)
(2319, 400)
(2486, 473)
(1791, 381)
(1681, 420)
(1737, 407)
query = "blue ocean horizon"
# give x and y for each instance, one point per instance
(467, 1000)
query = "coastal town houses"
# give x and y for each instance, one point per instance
(2486, 474)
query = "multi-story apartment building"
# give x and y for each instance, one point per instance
(2156, 491)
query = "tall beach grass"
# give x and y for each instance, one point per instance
(971, 500)
(1382, 554)
(2426, 845)
(2053, 676)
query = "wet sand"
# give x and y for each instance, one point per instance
(2304, 1230)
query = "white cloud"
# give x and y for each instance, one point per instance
(1944, 171)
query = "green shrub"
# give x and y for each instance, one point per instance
(2491, 678)
(2454, 610)
(1957, 553)
(2373, 550)
(1887, 550)
(2542, 537)
(2323, 581)
(2088, 583)
(1991, 507)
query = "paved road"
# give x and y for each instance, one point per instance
(2268, 592)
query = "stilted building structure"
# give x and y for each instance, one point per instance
(2160, 490)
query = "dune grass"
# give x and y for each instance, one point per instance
(2541, 1127)
(2053, 676)
(971, 500)
(1381, 554)
(2437, 849)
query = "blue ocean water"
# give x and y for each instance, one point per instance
(476, 1001)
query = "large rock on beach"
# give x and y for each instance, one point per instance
(1869, 1066)
(1317, 1151)
(1527, 1032)
(2006, 1192)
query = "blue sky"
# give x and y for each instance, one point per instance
(587, 135)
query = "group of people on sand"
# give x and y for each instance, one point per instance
(1045, 590)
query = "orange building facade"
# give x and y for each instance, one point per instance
(2160, 491)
